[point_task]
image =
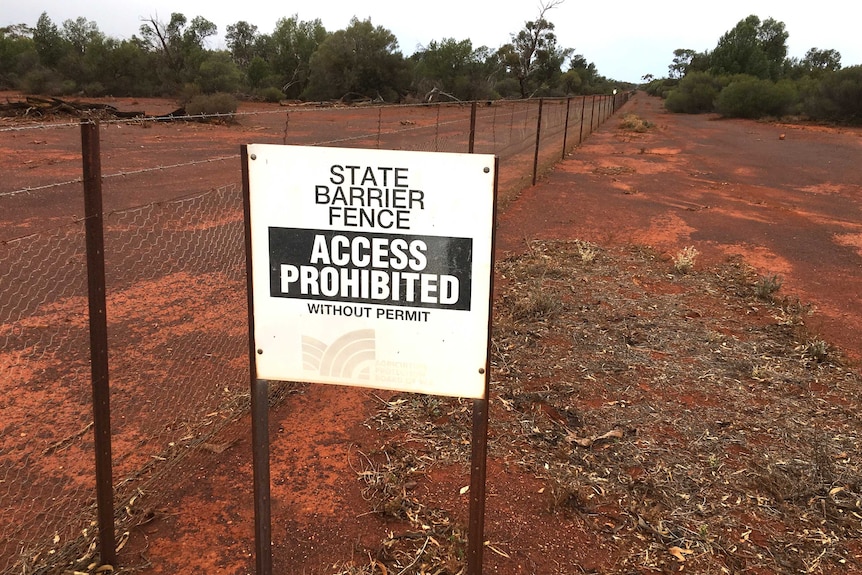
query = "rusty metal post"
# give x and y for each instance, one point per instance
(478, 475)
(583, 110)
(592, 113)
(479, 441)
(93, 223)
(259, 410)
(472, 144)
(538, 139)
(566, 127)
(379, 124)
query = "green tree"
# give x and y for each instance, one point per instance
(817, 60)
(753, 47)
(218, 73)
(289, 50)
(17, 54)
(682, 58)
(180, 44)
(128, 68)
(49, 43)
(242, 41)
(533, 56)
(453, 68)
(81, 61)
(359, 61)
(81, 34)
(589, 80)
(258, 72)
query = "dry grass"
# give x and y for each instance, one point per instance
(684, 418)
(634, 123)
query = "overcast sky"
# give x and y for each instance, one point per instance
(625, 39)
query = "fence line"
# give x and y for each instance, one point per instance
(175, 297)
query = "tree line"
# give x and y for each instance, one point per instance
(297, 60)
(749, 75)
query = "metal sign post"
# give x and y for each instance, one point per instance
(365, 267)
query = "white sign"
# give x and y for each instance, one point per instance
(372, 267)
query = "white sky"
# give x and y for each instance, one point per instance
(625, 39)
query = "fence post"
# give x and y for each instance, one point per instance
(566, 128)
(472, 143)
(583, 110)
(259, 408)
(538, 138)
(94, 230)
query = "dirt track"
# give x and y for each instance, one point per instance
(790, 206)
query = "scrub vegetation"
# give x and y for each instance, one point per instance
(296, 60)
(749, 75)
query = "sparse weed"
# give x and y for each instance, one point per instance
(816, 349)
(684, 260)
(537, 304)
(767, 286)
(587, 251)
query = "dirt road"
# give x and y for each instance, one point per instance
(788, 198)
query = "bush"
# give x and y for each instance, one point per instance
(839, 97)
(212, 104)
(270, 94)
(661, 87)
(94, 90)
(188, 93)
(45, 82)
(695, 94)
(750, 97)
(508, 88)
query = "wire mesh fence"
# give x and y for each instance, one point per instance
(176, 303)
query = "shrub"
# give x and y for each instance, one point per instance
(839, 97)
(212, 104)
(684, 260)
(750, 97)
(188, 92)
(94, 89)
(767, 286)
(270, 94)
(661, 87)
(44, 81)
(695, 94)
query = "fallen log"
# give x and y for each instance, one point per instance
(45, 107)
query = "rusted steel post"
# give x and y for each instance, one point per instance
(566, 127)
(538, 140)
(583, 110)
(472, 144)
(259, 409)
(93, 225)
(479, 442)
(478, 474)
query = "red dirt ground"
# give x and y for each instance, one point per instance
(789, 206)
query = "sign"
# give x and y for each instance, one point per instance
(372, 267)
